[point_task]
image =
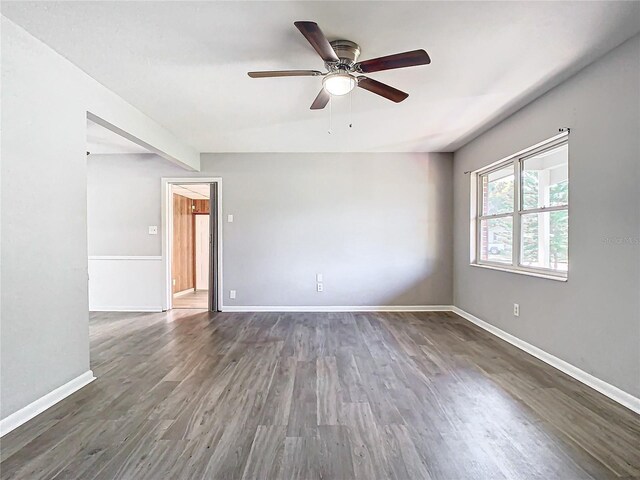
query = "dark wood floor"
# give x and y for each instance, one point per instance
(319, 396)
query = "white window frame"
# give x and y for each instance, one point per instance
(517, 160)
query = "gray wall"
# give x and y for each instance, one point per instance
(123, 200)
(377, 226)
(593, 320)
(44, 305)
(45, 333)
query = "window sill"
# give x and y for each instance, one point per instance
(557, 278)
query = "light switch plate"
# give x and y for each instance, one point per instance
(232, 294)
(230, 218)
(153, 230)
(319, 277)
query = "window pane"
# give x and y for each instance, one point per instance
(545, 179)
(497, 191)
(496, 240)
(545, 240)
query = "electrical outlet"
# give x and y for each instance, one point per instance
(153, 230)
(516, 310)
(232, 294)
(320, 287)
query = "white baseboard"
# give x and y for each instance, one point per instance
(339, 308)
(614, 393)
(126, 309)
(25, 414)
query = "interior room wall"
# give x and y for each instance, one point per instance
(183, 257)
(202, 244)
(200, 206)
(593, 320)
(45, 100)
(123, 200)
(376, 226)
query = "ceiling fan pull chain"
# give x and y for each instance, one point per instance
(330, 110)
(351, 109)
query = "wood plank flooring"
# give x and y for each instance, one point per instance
(197, 299)
(193, 395)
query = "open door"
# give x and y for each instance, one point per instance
(214, 301)
(193, 267)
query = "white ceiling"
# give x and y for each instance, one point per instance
(196, 191)
(101, 140)
(184, 64)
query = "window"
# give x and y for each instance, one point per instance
(522, 211)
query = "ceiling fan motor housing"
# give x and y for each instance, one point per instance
(348, 53)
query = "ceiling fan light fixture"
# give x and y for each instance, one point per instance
(339, 83)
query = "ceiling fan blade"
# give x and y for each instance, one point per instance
(399, 60)
(321, 100)
(318, 41)
(381, 89)
(285, 73)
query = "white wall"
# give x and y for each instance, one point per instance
(44, 311)
(126, 283)
(593, 320)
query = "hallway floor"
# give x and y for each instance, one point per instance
(196, 299)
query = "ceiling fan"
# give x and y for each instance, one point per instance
(344, 71)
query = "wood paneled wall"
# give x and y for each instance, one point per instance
(182, 268)
(202, 206)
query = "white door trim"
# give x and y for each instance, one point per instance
(167, 233)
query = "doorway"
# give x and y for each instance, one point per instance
(192, 241)
(190, 259)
